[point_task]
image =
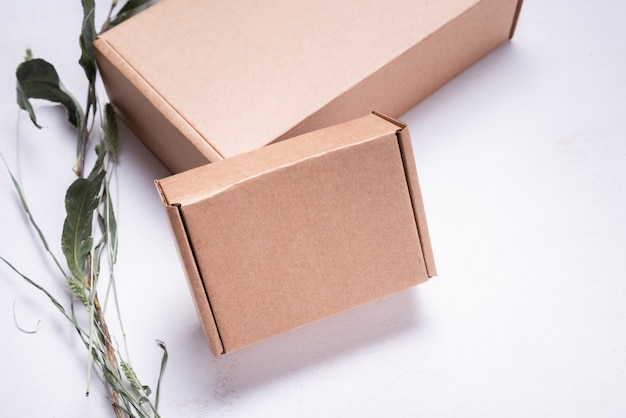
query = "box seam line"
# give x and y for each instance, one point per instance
(412, 200)
(195, 261)
(160, 96)
(199, 197)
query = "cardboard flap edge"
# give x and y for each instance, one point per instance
(194, 279)
(408, 160)
(399, 124)
(116, 62)
(516, 18)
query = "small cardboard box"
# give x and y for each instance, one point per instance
(300, 230)
(200, 81)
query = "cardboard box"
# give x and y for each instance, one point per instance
(200, 81)
(288, 234)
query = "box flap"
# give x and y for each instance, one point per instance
(408, 160)
(203, 182)
(196, 286)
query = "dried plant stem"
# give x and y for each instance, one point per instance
(85, 134)
(79, 166)
(88, 200)
(110, 350)
(95, 309)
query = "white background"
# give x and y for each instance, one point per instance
(521, 161)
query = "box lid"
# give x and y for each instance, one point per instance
(284, 67)
(300, 230)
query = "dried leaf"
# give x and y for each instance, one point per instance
(108, 224)
(87, 36)
(110, 131)
(131, 8)
(38, 79)
(98, 166)
(111, 227)
(81, 200)
(161, 344)
(22, 199)
(54, 301)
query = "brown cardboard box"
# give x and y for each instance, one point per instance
(200, 81)
(299, 230)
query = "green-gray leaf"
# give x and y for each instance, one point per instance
(110, 130)
(81, 200)
(111, 224)
(87, 36)
(131, 8)
(98, 166)
(38, 79)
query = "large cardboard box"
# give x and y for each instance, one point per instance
(200, 81)
(288, 234)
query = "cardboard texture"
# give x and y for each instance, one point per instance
(291, 233)
(200, 81)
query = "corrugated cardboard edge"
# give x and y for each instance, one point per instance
(125, 86)
(408, 160)
(194, 279)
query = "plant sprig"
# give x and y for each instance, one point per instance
(85, 243)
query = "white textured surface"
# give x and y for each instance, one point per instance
(521, 161)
